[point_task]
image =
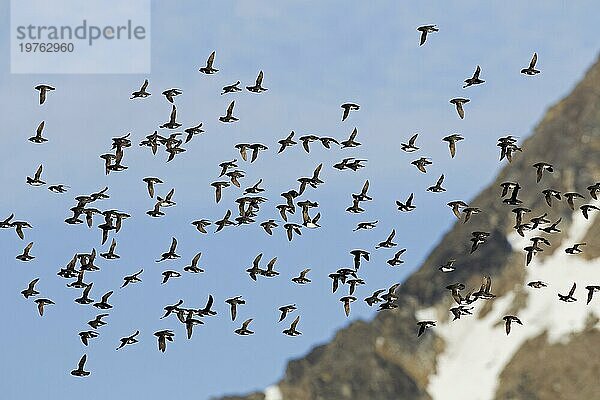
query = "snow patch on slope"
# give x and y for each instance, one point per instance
(482, 344)
(273, 393)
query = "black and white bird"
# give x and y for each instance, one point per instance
(142, 93)
(44, 90)
(530, 70)
(208, 69)
(425, 30)
(257, 88)
(474, 80)
(508, 320)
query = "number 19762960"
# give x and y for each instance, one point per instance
(37, 47)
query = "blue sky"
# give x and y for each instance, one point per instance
(315, 56)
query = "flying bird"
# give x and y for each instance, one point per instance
(41, 303)
(508, 320)
(531, 69)
(80, 371)
(410, 146)
(128, 340)
(44, 90)
(475, 79)
(347, 107)
(292, 331)
(452, 139)
(232, 88)
(425, 30)
(36, 180)
(228, 117)
(459, 102)
(424, 325)
(38, 138)
(30, 291)
(142, 93)
(208, 69)
(257, 88)
(243, 330)
(568, 298)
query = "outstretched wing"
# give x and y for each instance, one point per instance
(533, 61)
(211, 59)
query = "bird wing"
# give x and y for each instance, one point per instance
(316, 218)
(304, 272)
(271, 264)
(173, 245)
(32, 283)
(423, 37)
(257, 260)
(38, 172)
(196, 258)
(353, 134)
(440, 180)
(259, 78)
(82, 362)
(40, 128)
(230, 108)
(106, 296)
(412, 140)
(210, 60)
(151, 189)
(460, 110)
(533, 61)
(365, 188)
(317, 171)
(295, 323)
(346, 112)
(113, 245)
(233, 311)
(392, 234)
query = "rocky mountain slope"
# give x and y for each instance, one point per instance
(472, 357)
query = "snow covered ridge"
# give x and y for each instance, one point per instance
(482, 344)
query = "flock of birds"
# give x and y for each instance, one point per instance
(86, 210)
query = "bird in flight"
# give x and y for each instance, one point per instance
(44, 89)
(410, 146)
(347, 107)
(459, 102)
(208, 69)
(474, 80)
(80, 368)
(228, 117)
(508, 320)
(530, 70)
(142, 93)
(425, 30)
(38, 138)
(257, 88)
(232, 88)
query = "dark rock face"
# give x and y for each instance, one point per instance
(383, 359)
(570, 370)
